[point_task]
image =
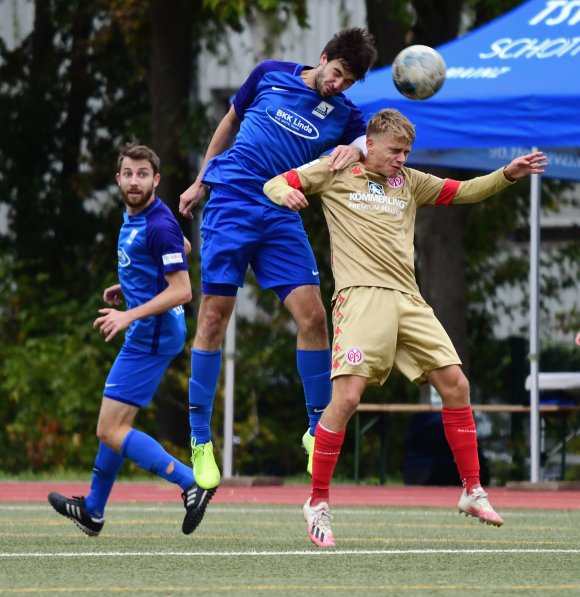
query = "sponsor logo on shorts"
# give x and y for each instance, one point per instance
(292, 122)
(170, 258)
(354, 356)
(323, 110)
(395, 182)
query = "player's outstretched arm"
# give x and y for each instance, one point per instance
(178, 292)
(578, 339)
(222, 139)
(532, 163)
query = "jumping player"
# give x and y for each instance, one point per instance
(154, 282)
(284, 114)
(380, 319)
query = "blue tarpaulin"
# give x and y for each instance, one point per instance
(511, 85)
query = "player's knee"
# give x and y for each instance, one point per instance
(347, 405)
(313, 320)
(457, 393)
(104, 434)
(211, 327)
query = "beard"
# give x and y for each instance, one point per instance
(136, 198)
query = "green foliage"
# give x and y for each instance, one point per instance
(233, 12)
(51, 377)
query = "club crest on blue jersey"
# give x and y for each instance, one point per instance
(375, 188)
(124, 259)
(323, 110)
(292, 122)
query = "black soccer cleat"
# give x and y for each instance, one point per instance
(74, 508)
(195, 500)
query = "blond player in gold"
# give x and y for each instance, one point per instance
(379, 316)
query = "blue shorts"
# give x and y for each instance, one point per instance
(237, 233)
(135, 376)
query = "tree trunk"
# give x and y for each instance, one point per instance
(389, 34)
(172, 63)
(441, 269)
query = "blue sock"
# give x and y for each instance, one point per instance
(107, 466)
(205, 372)
(314, 369)
(149, 454)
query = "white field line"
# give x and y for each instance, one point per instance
(267, 554)
(363, 511)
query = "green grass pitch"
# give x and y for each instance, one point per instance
(264, 550)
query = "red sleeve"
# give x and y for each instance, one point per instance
(293, 179)
(448, 191)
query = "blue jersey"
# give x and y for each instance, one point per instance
(150, 246)
(284, 124)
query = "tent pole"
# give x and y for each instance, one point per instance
(535, 195)
(230, 346)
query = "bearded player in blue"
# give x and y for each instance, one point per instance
(154, 282)
(285, 114)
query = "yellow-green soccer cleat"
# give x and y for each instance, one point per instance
(308, 445)
(205, 471)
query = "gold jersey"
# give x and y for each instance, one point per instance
(371, 219)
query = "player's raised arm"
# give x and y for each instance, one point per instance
(532, 163)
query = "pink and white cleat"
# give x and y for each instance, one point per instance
(318, 520)
(476, 504)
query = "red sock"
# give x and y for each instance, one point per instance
(461, 436)
(327, 445)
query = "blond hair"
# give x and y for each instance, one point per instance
(392, 122)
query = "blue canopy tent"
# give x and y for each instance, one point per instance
(511, 86)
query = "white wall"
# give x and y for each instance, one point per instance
(223, 74)
(16, 20)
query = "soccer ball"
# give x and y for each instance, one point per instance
(418, 72)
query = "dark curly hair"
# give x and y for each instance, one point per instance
(355, 47)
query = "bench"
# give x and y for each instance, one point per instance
(382, 411)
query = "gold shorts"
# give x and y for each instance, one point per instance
(378, 328)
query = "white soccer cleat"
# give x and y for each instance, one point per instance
(476, 504)
(318, 521)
